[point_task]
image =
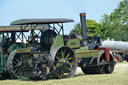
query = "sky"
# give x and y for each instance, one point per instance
(11, 10)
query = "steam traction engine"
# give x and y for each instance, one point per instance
(48, 53)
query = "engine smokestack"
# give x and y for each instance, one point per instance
(83, 25)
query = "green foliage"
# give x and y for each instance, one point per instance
(76, 29)
(92, 26)
(115, 25)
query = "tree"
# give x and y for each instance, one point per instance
(93, 28)
(115, 25)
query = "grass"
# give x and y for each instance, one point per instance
(118, 77)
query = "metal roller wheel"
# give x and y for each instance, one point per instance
(103, 68)
(88, 69)
(19, 66)
(65, 56)
(127, 58)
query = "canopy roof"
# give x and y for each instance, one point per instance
(41, 21)
(18, 28)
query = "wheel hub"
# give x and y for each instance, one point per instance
(19, 64)
(63, 60)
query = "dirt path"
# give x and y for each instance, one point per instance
(119, 67)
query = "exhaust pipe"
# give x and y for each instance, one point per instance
(83, 26)
(95, 40)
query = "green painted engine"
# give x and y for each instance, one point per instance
(46, 59)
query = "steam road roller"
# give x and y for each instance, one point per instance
(39, 49)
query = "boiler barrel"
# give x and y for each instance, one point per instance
(115, 45)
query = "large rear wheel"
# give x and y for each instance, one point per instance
(65, 58)
(19, 66)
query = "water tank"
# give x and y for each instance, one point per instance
(115, 45)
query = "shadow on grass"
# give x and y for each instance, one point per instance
(77, 75)
(36, 80)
